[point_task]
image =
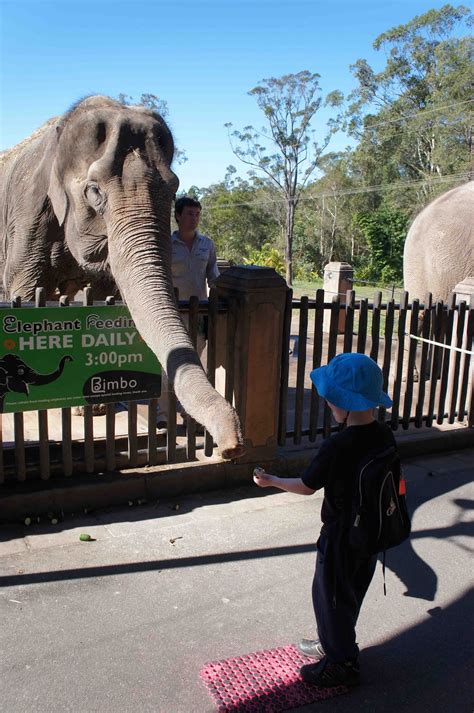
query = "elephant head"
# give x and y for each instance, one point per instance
(16, 376)
(108, 189)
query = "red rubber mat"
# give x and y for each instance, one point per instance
(262, 682)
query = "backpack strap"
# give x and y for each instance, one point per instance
(383, 573)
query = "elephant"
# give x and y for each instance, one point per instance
(87, 200)
(16, 376)
(439, 248)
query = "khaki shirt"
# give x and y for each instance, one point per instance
(192, 269)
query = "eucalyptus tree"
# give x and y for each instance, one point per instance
(286, 150)
(413, 119)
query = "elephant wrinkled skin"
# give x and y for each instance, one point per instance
(87, 199)
(439, 248)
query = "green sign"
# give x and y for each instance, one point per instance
(52, 357)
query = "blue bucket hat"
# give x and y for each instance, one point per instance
(353, 382)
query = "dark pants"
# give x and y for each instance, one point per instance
(339, 587)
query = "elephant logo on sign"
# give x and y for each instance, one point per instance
(17, 376)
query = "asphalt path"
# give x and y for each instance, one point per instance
(125, 622)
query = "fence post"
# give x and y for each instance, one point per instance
(259, 294)
(464, 291)
(338, 279)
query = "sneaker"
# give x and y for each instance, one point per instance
(326, 674)
(311, 648)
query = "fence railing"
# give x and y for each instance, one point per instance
(429, 379)
(51, 442)
(267, 343)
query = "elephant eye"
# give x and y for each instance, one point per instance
(21, 372)
(92, 189)
(94, 196)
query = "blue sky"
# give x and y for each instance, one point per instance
(201, 57)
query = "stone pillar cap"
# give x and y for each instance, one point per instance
(467, 285)
(337, 266)
(465, 290)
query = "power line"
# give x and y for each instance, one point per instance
(369, 188)
(343, 192)
(421, 112)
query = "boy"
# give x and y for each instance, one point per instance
(352, 386)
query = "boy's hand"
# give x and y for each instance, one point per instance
(262, 479)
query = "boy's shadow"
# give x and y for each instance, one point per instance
(425, 667)
(419, 578)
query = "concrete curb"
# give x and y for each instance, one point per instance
(68, 495)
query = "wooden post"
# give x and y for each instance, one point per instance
(464, 291)
(259, 294)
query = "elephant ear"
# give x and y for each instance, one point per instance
(57, 195)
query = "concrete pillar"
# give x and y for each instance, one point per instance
(465, 291)
(260, 302)
(338, 278)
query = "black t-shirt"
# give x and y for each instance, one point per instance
(335, 467)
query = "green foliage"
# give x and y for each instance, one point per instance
(305, 271)
(418, 125)
(384, 230)
(267, 256)
(238, 217)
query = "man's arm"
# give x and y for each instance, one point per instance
(290, 485)
(212, 271)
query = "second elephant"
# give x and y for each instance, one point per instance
(439, 248)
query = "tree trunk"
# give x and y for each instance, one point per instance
(289, 223)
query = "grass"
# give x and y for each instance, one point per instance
(309, 288)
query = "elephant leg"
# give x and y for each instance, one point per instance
(23, 282)
(100, 290)
(28, 264)
(97, 410)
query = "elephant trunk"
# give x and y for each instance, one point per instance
(41, 379)
(140, 256)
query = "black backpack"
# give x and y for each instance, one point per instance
(379, 517)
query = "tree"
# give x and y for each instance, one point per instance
(384, 230)
(235, 216)
(160, 106)
(286, 150)
(412, 119)
(323, 226)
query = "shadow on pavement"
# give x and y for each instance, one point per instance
(419, 578)
(153, 565)
(427, 667)
(169, 507)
